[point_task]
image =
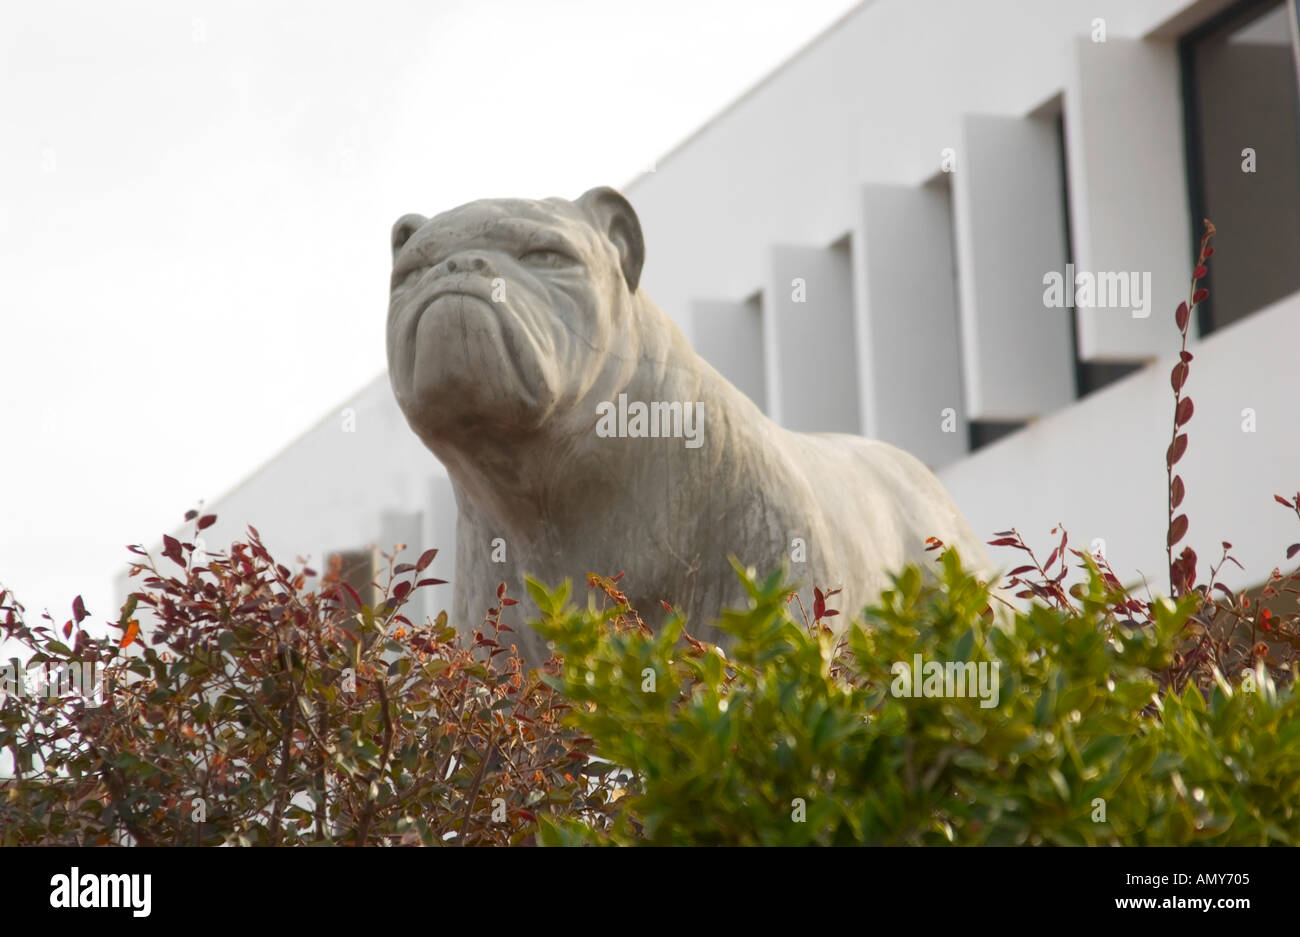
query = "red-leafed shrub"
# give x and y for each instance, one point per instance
(265, 710)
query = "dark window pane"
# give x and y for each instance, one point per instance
(984, 432)
(1242, 96)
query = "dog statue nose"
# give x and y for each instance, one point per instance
(466, 263)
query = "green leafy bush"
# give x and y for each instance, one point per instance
(795, 737)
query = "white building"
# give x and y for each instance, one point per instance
(923, 167)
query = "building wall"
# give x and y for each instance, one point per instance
(1098, 467)
(875, 100)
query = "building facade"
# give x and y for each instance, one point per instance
(963, 228)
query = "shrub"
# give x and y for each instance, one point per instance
(265, 711)
(262, 712)
(796, 738)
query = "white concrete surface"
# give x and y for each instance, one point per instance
(1099, 466)
(907, 312)
(1018, 359)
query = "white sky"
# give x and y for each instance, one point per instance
(195, 201)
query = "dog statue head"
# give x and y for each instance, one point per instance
(505, 313)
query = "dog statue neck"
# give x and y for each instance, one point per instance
(654, 413)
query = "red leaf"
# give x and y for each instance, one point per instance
(347, 587)
(1176, 449)
(1209, 252)
(400, 590)
(206, 521)
(1199, 295)
(1283, 501)
(172, 550)
(1184, 411)
(79, 609)
(403, 568)
(1176, 491)
(1177, 528)
(132, 632)
(1185, 355)
(432, 582)
(425, 559)
(507, 601)
(190, 515)
(1178, 376)
(67, 629)
(667, 608)
(1182, 316)
(1199, 272)
(1292, 550)
(1021, 570)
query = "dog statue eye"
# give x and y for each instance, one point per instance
(411, 276)
(546, 258)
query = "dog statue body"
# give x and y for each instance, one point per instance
(583, 434)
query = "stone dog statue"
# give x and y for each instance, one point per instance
(583, 434)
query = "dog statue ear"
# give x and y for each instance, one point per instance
(403, 229)
(614, 217)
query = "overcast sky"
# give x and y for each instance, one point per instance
(195, 201)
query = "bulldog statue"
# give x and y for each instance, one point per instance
(583, 434)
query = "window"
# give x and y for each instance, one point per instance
(1242, 114)
(358, 569)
